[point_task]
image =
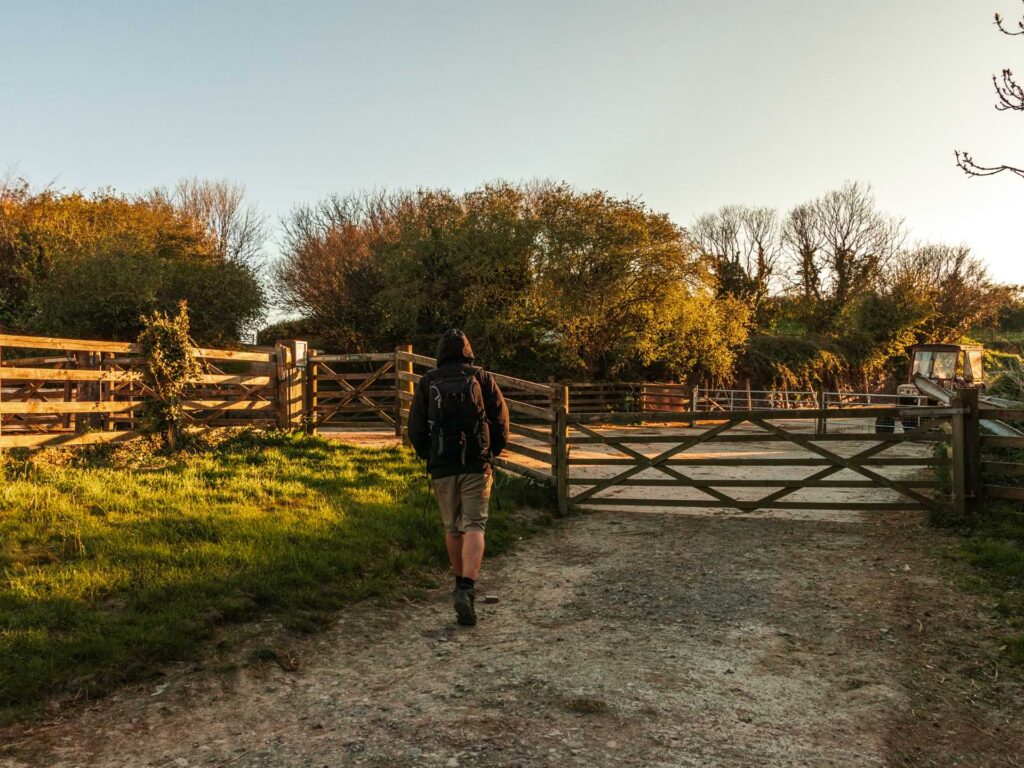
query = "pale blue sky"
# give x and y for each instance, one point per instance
(688, 105)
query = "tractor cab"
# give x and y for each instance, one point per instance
(951, 366)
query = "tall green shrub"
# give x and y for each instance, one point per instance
(170, 366)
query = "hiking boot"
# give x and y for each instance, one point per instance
(465, 611)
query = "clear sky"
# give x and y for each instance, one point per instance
(688, 105)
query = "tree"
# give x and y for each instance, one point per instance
(547, 280)
(608, 272)
(92, 265)
(955, 287)
(1009, 97)
(238, 230)
(801, 237)
(839, 246)
(742, 247)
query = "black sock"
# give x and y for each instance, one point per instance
(467, 583)
(458, 582)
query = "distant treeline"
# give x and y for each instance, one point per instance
(549, 281)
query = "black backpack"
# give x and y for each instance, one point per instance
(457, 418)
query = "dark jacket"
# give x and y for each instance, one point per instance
(454, 353)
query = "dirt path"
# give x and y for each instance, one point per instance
(642, 640)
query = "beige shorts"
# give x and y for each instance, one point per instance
(463, 500)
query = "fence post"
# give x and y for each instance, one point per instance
(312, 397)
(821, 426)
(402, 387)
(560, 445)
(284, 360)
(972, 449)
(86, 392)
(958, 460)
(694, 398)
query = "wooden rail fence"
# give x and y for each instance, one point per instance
(56, 391)
(589, 441)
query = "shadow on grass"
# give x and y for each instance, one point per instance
(288, 525)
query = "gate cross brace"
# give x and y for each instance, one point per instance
(653, 461)
(857, 458)
(846, 463)
(357, 392)
(670, 471)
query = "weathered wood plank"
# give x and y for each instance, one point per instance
(790, 505)
(364, 357)
(42, 407)
(229, 405)
(22, 341)
(896, 461)
(795, 414)
(994, 441)
(530, 410)
(240, 355)
(510, 382)
(520, 469)
(765, 482)
(767, 437)
(524, 450)
(65, 439)
(1003, 492)
(1001, 414)
(530, 432)
(1002, 468)
(412, 357)
(62, 374)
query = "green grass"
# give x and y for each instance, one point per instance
(994, 547)
(117, 561)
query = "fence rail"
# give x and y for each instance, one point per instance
(56, 392)
(1001, 458)
(94, 391)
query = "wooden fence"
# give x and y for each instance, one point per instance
(750, 460)
(996, 463)
(57, 391)
(534, 448)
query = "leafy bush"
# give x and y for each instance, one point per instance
(91, 266)
(170, 365)
(546, 280)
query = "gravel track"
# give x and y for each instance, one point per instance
(619, 639)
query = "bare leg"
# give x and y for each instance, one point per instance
(454, 543)
(472, 553)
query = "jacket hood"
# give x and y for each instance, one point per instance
(454, 347)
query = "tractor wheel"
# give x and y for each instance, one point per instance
(885, 425)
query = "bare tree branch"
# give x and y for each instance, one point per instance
(1002, 28)
(1009, 97)
(971, 168)
(1009, 92)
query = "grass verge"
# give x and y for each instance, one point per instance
(994, 547)
(116, 561)
(993, 544)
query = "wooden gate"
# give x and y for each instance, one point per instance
(751, 460)
(57, 391)
(356, 390)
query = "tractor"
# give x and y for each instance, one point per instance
(948, 366)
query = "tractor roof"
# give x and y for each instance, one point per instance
(948, 347)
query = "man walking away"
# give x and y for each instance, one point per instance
(458, 422)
